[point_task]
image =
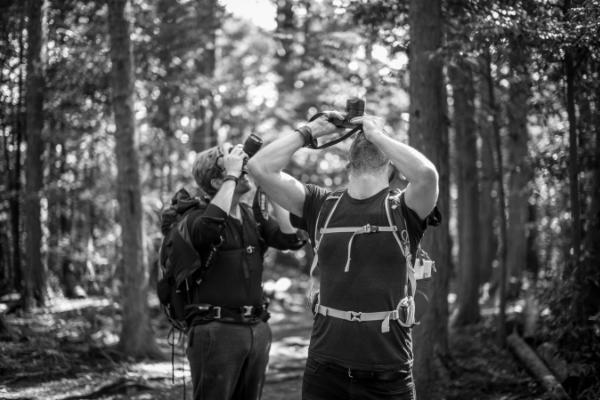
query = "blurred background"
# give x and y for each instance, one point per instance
(103, 108)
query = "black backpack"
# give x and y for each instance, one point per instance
(181, 265)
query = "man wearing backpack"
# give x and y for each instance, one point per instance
(228, 338)
(361, 345)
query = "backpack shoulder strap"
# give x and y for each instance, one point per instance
(334, 196)
(397, 218)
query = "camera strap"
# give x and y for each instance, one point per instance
(340, 124)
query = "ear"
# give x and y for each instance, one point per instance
(216, 183)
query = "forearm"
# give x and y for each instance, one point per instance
(266, 168)
(276, 155)
(411, 163)
(283, 219)
(224, 196)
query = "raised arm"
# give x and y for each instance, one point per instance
(422, 191)
(266, 167)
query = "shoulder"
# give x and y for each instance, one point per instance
(415, 225)
(315, 192)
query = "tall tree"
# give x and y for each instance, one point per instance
(209, 20)
(137, 338)
(428, 133)
(518, 162)
(35, 275)
(570, 71)
(491, 95)
(463, 92)
(285, 33)
(487, 195)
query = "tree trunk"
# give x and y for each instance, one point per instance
(487, 188)
(55, 201)
(461, 78)
(428, 133)
(573, 152)
(137, 338)
(537, 367)
(208, 18)
(15, 178)
(501, 331)
(35, 276)
(285, 34)
(518, 160)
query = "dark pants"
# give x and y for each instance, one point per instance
(331, 382)
(228, 361)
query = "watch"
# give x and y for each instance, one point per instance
(231, 178)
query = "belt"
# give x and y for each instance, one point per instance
(200, 313)
(402, 314)
(357, 315)
(365, 375)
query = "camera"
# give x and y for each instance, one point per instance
(355, 107)
(252, 145)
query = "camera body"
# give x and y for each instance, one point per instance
(355, 107)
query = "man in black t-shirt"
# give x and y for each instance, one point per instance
(361, 344)
(229, 338)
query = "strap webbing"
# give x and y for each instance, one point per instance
(318, 241)
(403, 243)
(356, 230)
(406, 303)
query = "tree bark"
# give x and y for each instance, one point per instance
(518, 160)
(536, 367)
(136, 338)
(487, 187)
(428, 133)
(573, 151)
(35, 275)
(208, 19)
(15, 178)
(285, 33)
(461, 78)
(501, 331)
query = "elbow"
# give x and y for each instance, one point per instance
(254, 166)
(258, 167)
(429, 175)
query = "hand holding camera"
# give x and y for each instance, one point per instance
(233, 160)
(371, 125)
(236, 157)
(325, 123)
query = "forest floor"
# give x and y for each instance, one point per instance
(64, 352)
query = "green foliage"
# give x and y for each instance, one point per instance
(578, 339)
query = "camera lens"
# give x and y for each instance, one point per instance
(252, 145)
(355, 107)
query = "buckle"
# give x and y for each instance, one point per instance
(247, 311)
(355, 316)
(217, 310)
(249, 250)
(368, 228)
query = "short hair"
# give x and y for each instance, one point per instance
(205, 169)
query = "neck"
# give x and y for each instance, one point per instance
(366, 184)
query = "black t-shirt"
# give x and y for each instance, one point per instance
(235, 276)
(375, 281)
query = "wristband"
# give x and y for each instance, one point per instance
(231, 178)
(306, 133)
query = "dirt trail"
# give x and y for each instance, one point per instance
(64, 353)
